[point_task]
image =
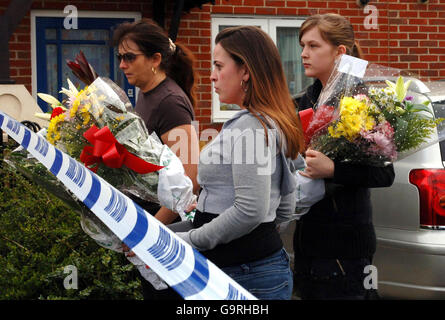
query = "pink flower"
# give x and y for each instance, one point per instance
(381, 140)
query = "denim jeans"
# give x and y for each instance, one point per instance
(267, 279)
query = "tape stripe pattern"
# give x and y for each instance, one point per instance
(139, 231)
(182, 267)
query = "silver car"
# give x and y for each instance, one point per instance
(409, 219)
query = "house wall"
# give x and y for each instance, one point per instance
(408, 35)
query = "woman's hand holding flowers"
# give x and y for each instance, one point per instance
(318, 166)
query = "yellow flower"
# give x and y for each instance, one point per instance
(53, 133)
(79, 98)
(86, 108)
(74, 108)
(370, 123)
(86, 118)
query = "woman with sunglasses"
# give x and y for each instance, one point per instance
(163, 72)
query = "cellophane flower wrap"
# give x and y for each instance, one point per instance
(361, 117)
(96, 126)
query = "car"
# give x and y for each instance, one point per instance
(409, 219)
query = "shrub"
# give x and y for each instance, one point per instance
(40, 236)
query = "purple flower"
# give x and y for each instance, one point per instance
(409, 98)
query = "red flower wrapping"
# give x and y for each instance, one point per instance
(321, 118)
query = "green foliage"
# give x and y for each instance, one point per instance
(40, 236)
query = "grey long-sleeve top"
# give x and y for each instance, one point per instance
(244, 180)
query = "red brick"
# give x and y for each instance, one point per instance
(243, 10)
(337, 4)
(409, 58)
(429, 73)
(418, 36)
(428, 28)
(265, 11)
(428, 58)
(408, 14)
(287, 11)
(437, 65)
(256, 3)
(299, 4)
(276, 3)
(409, 28)
(428, 43)
(398, 36)
(221, 9)
(409, 43)
(418, 50)
(317, 4)
(418, 65)
(379, 50)
(437, 36)
(436, 22)
(399, 50)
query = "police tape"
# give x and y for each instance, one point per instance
(175, 261)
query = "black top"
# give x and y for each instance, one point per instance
(340, 225)
(258, 244)
(164, 107)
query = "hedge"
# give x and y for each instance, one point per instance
(40, 236)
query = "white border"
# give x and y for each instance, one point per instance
(60, 13)
(268, 24)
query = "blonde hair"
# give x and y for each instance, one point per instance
(334, 29)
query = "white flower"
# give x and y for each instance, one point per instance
(53, 102)
(72, 92)
(44, 116)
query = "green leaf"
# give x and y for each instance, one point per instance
(421, 107)
(400, 132)
(401, 88)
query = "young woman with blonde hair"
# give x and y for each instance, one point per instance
(335, 240)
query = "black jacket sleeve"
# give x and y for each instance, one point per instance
(363, 176)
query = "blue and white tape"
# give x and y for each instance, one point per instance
(176, 262)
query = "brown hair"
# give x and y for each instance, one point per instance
(151, 38)
(267, 93)
(334, 29)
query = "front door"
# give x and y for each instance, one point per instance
(55, 45)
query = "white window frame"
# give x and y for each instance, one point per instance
(268, 24)
(60, 13)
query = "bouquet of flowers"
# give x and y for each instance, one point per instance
(96, 126)
(363, 118)
(372, 124)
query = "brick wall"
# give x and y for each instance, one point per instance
(409, 35)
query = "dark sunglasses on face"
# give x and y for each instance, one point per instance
(128, 57)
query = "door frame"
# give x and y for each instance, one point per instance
(60, 14)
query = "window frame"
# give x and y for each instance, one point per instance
(268, 24)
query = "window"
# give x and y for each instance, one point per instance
(52, 45)
(284, 32)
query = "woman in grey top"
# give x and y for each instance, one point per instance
(246, 180)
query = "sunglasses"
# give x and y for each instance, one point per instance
(128, 57)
